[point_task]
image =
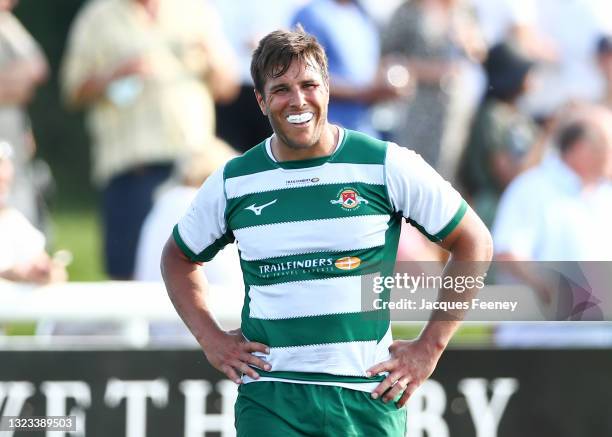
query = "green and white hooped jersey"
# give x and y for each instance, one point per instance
(307, 231)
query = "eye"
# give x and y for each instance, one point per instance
(281, 90)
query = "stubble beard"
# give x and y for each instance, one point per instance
(316, 136)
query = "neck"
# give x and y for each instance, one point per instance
(324, 147)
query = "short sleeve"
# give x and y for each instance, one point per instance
(421, 195)
(515, 226)
(83, 53)
(20, 241)
(22, 44)
(202, 231)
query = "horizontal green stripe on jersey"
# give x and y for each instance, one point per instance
(321, 265)
(329, 328)
(306, 203)
(363, 150)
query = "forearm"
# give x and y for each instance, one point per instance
(342, 91)
(17, 82)
(92, 89)
(12, 274)
(471, 253)
(187, 289)
(220, 70)
(431, 72)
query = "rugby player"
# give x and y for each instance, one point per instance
(312, 209)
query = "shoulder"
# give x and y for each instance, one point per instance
(93, 14)
(315, 15)
(359, 148)
(254, 160)
(97, 8)
(403, 159)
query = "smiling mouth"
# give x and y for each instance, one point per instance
(300, 118)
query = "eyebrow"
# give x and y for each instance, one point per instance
(286, 85)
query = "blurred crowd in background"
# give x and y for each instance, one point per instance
(509, 100)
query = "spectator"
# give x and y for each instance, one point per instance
(147, 77)
(501, 137)
(574, 27)
(22, 246)
(22, 69)
(351, 40)
(434, 38)
(173, 200)
(516, 22)
(556, 211)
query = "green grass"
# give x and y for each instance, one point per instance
(78, 230)
(469, 334)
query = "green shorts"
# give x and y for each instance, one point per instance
(271, 408)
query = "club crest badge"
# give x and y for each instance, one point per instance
(348, 198)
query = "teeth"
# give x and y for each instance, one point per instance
(301, 118)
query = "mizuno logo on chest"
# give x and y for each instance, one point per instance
(257, 209)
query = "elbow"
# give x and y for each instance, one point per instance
(481, 243)
(164, 261)
(226, 93)
(473, 241)
(487, 246)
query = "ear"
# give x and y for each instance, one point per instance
(261, 102)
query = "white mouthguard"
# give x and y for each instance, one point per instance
(301, 118)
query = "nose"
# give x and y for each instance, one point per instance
(298, 99)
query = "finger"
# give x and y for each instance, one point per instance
(385, 366)
(231, 373)
(253, 346)
(386, 384)
(245, 369)
(407, 393)
(396, 390)
(254, 361)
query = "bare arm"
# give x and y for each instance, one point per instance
(19, 79)
(94, 86)
(222, 73)
(228, 352)
(378, 91)
(521, 270)
(41, 270)
(412, 362)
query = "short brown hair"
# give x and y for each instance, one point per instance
(277, 50)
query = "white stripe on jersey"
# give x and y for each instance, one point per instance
(310, 236)
(328, 173)
(349, 359)
(359, 386)
(304, 298)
